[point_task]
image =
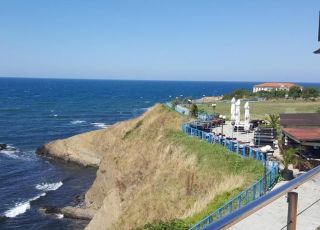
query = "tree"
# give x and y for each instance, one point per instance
(310, 92)
(273, 120)
(238, 94)
(295, 92)
(289, 157)
(272, 94)
(174, 103)
(194, 110)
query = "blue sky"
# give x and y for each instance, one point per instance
(160, 39)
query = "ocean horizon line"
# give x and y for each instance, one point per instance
(147, 80)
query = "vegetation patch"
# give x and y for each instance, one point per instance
(260, 109)
(174, 224)
(128, 133)
(214, 162)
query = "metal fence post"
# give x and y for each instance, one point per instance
(292, 210)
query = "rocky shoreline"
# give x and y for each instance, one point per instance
(134, 182)
(3, 146)
(69, 212)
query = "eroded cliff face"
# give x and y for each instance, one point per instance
(142, 175)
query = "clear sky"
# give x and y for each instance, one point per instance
(160, 39)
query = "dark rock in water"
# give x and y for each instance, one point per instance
(3, 218)
(69, 212)
(79, 201)
(3, 146)
(49, 210)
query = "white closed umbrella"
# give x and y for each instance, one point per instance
(237, 113)
(246, 116)
(233, 109)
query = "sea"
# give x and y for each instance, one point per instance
(36, 111)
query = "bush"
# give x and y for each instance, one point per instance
(174, 103)
(295, 92)
(194, 110)
(272, 94)
(238, 94)
(310, 92)
(273, 120)
(289, 157)
(174, 224)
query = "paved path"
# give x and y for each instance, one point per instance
(227, 130)
(242, 136)
(274, 215)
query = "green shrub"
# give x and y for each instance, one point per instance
(174, 224)
(194, 110)
(295, 92)
(310, 92)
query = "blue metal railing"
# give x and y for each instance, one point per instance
(251, 193)
(234, 217)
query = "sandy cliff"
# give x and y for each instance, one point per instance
(143, 176)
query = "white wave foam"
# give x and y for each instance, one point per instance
(10, 153)
(77, 122)
(55, 115)
(46, 187)
(21, 207)
(99, 125)
(59, 215)
(14, 153)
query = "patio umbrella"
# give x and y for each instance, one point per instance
(246, 116)
(233, 109)
(237, 113)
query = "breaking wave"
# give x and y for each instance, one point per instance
(46, 187)
(21, 207)
(77, 122)
(14, 153)
(99, 125)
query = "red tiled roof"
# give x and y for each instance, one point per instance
(303, 134)
(275, 85)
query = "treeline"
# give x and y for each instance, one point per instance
(294, 92)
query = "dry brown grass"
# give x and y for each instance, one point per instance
(148, 172)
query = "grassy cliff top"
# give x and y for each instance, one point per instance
(158, 173)
(150, 171)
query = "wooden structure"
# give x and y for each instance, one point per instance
(302, 130)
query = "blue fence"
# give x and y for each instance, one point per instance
(251, 193)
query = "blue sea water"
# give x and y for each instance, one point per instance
(36, 111)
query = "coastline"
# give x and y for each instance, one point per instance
(134, 181)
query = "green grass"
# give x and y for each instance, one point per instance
(259, 110)
(214, 161)
(216, 203)
(216, 158)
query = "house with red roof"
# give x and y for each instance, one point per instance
(269, 86)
